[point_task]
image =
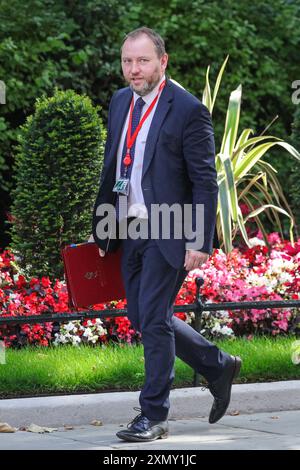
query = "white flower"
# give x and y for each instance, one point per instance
(285, 277)
(226, 331)
(70, 327)
(223, 314)
(269, 283)
(280, 264)
(60, 339)
(76, 340)
(255, 280)
(216, 328)
(101, 331)
(87, 333)
(256, 241)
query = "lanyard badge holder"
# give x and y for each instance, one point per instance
(122, 186)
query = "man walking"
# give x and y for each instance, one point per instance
(160, 151)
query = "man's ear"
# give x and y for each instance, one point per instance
(164, 60)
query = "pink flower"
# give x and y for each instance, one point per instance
(274, 238)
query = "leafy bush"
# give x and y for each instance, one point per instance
(53, 43)
(243, 177)
(75, 44)
(57, 171)
(293, 186)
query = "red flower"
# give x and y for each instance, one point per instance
(45, 281)
(34, 282)
(181, 315)
(21, 282)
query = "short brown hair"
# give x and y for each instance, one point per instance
(157, 40)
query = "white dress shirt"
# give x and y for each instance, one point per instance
(136, 203)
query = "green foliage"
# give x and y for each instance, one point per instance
(293, 185)
(55, 43)
(57, 170)
(243, 177)
(75, 44)
(32, 53)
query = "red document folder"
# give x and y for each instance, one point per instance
(90, 278)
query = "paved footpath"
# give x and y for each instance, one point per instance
(263, 431)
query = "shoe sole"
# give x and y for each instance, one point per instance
(129, 438)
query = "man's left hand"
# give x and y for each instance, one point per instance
(194, 259)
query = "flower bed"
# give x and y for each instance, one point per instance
(257, 273)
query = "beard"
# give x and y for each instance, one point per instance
(148, 86)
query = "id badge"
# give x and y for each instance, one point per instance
(122, 186)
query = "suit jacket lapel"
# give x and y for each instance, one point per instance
(119, 117)
(118, 122)
(163, 106)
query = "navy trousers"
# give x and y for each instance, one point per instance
(151, 286)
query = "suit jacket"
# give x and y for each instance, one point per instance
(178, 167)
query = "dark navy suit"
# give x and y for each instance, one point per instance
(178, 167)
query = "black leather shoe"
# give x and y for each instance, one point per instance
(221, 389)
(141, 429)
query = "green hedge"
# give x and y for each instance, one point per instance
(57, 171)
(76, 45)
(293, 184)
(53, 43)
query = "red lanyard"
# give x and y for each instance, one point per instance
(131, 138)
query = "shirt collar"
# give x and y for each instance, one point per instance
(150, 96)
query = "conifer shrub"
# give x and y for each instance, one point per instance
(57, 168)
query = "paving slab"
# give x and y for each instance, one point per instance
(259, 431)
(286, 423)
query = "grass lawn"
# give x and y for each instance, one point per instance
(67, 369)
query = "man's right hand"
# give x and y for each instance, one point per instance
(91, 240)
